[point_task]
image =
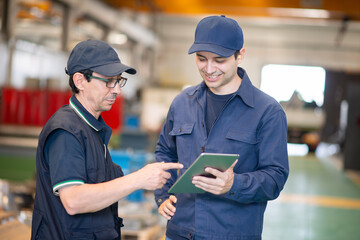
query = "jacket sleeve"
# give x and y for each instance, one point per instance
(266, 182)
(166, 152)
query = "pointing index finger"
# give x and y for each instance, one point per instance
(167, 166)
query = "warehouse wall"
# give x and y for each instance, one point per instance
(267, 41)
(32, 62)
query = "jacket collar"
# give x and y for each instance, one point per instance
(245, 91)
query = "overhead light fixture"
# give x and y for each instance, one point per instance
(299, 12)
(117, 38)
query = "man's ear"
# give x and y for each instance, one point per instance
(241, 54)
(79, 80)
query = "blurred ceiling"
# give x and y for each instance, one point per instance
(323, 9)
(51, 22)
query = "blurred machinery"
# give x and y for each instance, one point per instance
(305, 121)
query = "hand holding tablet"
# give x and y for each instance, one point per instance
(214, 160)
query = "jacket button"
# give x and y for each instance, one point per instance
(190, 235)
(202, 149)
(159, 200)
(180, 130)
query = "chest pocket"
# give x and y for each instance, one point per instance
(95, 160)
(184, 139)
(181, 129)
(96, 171)
(245, 143)
(242, 136)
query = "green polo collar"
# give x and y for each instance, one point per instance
(84, 114)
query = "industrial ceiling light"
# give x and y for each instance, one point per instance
(299, 12)
(117, 38)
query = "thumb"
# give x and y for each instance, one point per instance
(173, 198)
(232, 165)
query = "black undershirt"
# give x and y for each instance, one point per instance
(214, 105)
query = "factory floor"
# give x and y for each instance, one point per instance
(320, 201)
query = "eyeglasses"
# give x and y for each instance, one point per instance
(111, 83)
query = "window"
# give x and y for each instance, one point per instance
(281, 81)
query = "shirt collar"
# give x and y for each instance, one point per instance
(96, 124)
(245, 91)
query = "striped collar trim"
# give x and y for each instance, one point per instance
(78, 112)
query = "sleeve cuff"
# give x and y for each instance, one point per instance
(160, 200)
(65, 184)
(233, 193)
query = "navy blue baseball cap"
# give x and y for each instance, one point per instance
(218, 34)
(97, 56)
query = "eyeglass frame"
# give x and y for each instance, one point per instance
(121, 81)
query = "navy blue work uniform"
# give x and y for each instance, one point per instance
(250, 123)
(73, 150)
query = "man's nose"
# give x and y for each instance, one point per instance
(116, 89)
(210, 67)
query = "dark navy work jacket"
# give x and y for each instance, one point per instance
(253, 125)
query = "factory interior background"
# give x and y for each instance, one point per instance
(304, 53)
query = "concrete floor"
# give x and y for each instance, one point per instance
(319, 202)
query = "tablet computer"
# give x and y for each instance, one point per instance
(219, 161)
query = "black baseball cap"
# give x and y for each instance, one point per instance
(97, 56)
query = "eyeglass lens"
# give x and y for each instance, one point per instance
(111, 83)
